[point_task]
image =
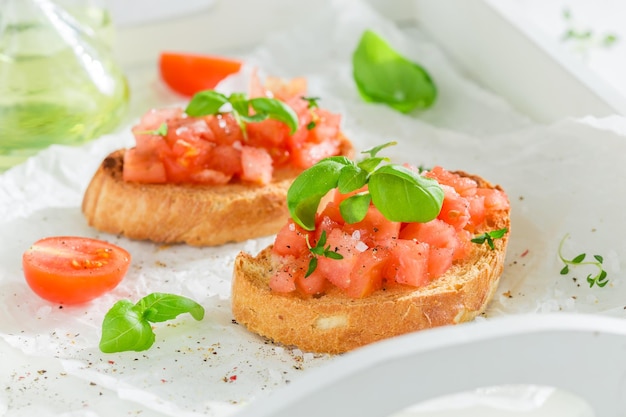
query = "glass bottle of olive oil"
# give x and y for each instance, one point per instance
(59, 83)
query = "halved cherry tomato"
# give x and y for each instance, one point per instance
(73, 270)
(189, 73)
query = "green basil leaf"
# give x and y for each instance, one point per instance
(351, 178)
(255, 118)
(124, 328)
(306, 191)
(240, 103)
(205, 103)
(353, 209)
(370, 164)
(402, 195)
(384, 76)
(373, 151)
(160, 307)
(276, 110)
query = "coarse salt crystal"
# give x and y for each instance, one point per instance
(361, 247)
(356, 235)
(292, 227)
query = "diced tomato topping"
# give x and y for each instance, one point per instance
(256, 165)
(284, 279)
(308, 154)
(476, 210)
(455, 209)
(316, 283)
(378, 253)
(374, 228)
(329, 216)
(439, 261)
(338, 271)
(408, 263)
(463, 185)
(190, 149)
(226, 159)
(367, 274)
(494, 199)
(225, 128)
(291, 240)
(141, 167)
(436, 233)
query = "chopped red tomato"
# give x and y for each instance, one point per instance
(367, 274)
(378, 253)
(188, 149)
(315, 283)
(408, 263)
(291, 240)
(189, 73)
(73, 270)
(374, 228)
(337, 271)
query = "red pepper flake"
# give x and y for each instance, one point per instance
(524, 253)
(233, 378)
(111, 362)
(163, 381)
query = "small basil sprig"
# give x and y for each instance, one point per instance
(489, 237)
(400, 194)
(320, 250)
(126, 326)
(382, 75)
(210, 102)
(600, 279)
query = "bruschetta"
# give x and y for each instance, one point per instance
(340, 285)
(217, 171)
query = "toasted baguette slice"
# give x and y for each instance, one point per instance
(198, 215)
(336, 323)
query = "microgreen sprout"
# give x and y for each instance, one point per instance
(161, 131)
(490, 236)
(312, 102)
(320, 250)
(600, 279)
(311, 125)
(584, 39)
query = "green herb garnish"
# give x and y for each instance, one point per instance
(382, 75)
(210, 102)
(126, 326)
(585, 39)
(489, 237)
(162, 131)
(600, 279)
(310, 125)
(399, 193)
(320, 250)
(312, 102)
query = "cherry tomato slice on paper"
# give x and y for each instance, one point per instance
(73, 270)
(189, 73)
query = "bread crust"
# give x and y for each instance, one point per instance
(195, 214)
(336, 323)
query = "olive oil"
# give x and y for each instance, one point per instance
(58, 82)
